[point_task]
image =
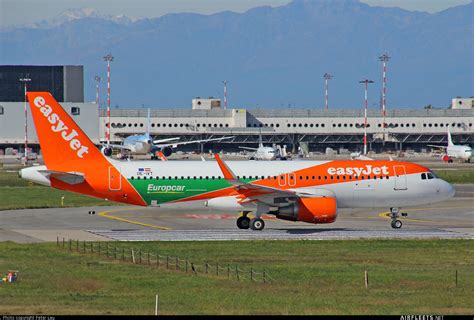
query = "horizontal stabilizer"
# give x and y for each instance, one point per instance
(66, 177)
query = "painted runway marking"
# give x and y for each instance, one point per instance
(106, 214)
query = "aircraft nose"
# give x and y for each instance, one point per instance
(447, 190)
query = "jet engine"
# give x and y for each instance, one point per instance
(167, 151)
(107, 151)
(312, 210)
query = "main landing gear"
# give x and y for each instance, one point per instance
(394, 214)
(245, 222)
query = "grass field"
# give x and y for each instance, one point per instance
(16, 193)
(460, 176)
(312, 277)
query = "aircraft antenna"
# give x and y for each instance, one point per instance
(327, 77)
(108, 58)
(366, 82)
(384, 58)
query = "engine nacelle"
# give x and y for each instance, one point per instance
(311, 210)
(167, 151)
(107, 151)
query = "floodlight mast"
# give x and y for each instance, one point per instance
(97, 83)
(366, 82)
(384, 58)
(108, 58)
(225, 94)
(25, 81)
(327, 77)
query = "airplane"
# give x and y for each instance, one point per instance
(453, 151)
(144, 144)
(308, 191)
(262, 152)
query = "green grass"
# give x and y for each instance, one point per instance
(461, 176)
(16, 193)
(312, 277)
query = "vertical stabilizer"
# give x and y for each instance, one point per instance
(66, 148)
(450, 140)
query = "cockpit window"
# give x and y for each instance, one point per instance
(430, 175)
(423, 176)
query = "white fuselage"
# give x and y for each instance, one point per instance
(402, 191)
(459, 152)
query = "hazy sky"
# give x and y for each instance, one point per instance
(17, 12)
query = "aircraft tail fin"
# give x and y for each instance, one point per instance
(67, 150)
(450, 140)
(63, 143)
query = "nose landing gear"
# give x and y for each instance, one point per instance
(394, 215)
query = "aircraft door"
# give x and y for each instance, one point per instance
(115, 179)
(400, 178)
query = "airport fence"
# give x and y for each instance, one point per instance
(171, 263)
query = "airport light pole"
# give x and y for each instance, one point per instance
(327, 77)
(384, 58)
(108, 58)
(366, 82)
(97, 83)
(225, 94)
(25, 81)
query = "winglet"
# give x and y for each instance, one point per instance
(228, 174)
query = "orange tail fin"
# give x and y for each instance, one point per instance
(66, 148)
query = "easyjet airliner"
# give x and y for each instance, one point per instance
(309, 191)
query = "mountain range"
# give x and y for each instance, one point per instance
(271, 56)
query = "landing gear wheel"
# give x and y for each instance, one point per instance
(257, 224)
(396, 224)
(243, 222)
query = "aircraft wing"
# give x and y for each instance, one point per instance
(175, 144)
(118, 146)
(252, 192)
(248, 148)
(442, 147)
(165, 140)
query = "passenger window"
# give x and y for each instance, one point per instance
(423, 176)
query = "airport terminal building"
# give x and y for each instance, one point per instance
(207, 119)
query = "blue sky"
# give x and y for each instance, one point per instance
(17, 12)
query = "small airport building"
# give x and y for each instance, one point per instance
(206, 118)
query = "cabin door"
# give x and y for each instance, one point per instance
(400, 178)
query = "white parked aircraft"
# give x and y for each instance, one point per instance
(262, 152)
(142, 144)
(453, 151)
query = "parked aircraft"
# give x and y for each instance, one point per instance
(144, 144)
(309, 191)
(453, 151)
(264, 153)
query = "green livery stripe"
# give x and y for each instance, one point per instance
(167, 190)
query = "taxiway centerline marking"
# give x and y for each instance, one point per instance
(106, 214)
